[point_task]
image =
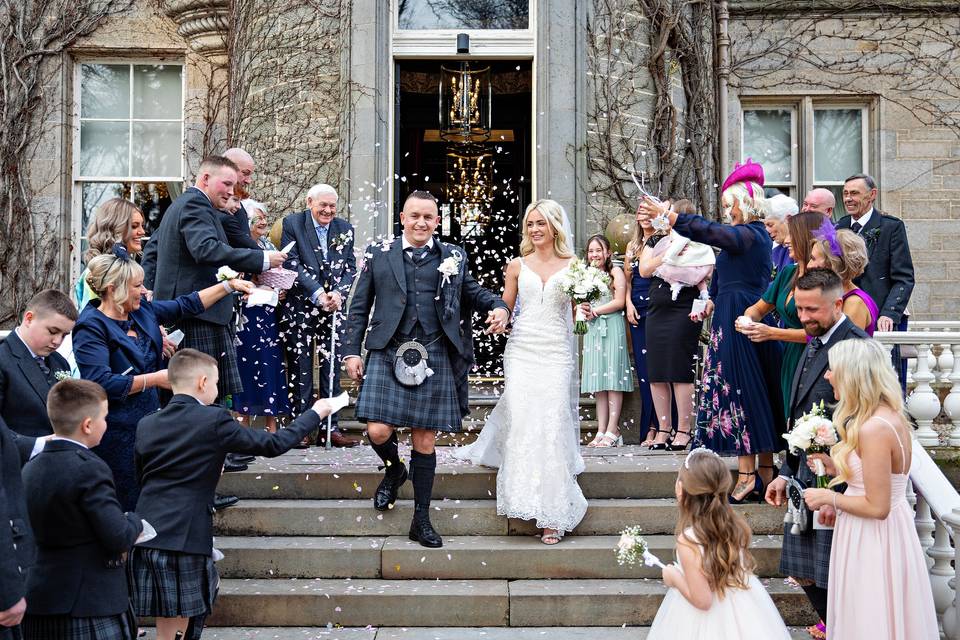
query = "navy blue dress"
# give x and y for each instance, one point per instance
(108, 356)
(740, 409)
(260, 362)
(640, 297)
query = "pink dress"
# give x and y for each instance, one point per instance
(877, 566)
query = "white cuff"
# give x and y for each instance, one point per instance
(266, 262)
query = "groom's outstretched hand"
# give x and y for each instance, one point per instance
(497, 320)
(355, 368)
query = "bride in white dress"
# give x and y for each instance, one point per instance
(532, 435)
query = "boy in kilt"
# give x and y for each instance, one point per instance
(77, 590)
(419, 350)
(179, 454)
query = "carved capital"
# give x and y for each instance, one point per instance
(203, 23)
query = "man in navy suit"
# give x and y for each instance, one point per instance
(325, 264)
(236, 225)
(30, 364)
(187, 250)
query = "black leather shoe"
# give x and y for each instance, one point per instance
(228, 467)
(389, 487)
(422, 531)
(222, 502)
(241, 459)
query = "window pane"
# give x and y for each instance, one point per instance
(767, 139)
(157, 91)
(104, 91)
(103, 148)
(153, 198)
(838, 144)
(156, 149)
(92, 195)
(464, 14)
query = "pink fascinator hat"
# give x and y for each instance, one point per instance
(747, 172)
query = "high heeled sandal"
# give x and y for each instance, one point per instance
(773, 476)
(755, 494)
(555, 537)
(679, 447)
(607, 440)
(818, 631)
(596, 440)
(658, 446)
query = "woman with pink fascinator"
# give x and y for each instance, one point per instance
(740, 410)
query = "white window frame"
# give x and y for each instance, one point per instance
(793, 186)
(864, 138)
(77, 181)
(442, 43)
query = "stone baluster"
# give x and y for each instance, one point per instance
(924, 404)
(951, 404)
(925, 527)
(941, 571)
(944, 363)
(950, 622)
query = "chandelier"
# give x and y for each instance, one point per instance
(465, 98)
(470, 186)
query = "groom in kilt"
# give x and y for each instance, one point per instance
(418, 350)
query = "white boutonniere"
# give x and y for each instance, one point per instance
(451, 266)
(339, 242)
(62, 375)
(225, 273)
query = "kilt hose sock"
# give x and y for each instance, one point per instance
(818, 598)
(389, 453)
(423, 466)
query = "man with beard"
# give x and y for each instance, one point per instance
(806, 556)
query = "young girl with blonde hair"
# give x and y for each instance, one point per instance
(713, 592)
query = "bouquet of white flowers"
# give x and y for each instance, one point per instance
(632, 548)
(813, 432)
(583, 283)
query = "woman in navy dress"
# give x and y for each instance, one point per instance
(740, 409)
(637, 301)
(118, 345)
(259, 358)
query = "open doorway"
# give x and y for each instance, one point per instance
(482, 183)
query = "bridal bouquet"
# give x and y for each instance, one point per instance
(583, 283)
(632, 548)
(813, 432)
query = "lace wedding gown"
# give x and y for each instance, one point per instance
(532, 435)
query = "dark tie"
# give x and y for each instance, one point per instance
(815, 345)
(856, 227)
(417, 253)
(42, 363)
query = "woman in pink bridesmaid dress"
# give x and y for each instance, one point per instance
(879, 587)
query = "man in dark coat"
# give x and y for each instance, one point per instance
(418, 350)
(323, 257)
(819, 299)
(185, 254)
(237, 224)
(30, 364)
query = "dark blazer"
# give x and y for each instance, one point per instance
(185, 252)
(104, 351)
(24, 387)
(179, 456)
(237, 227)
(17, 549)
(382, 280)
(888, 277)
(336, 273)
(810, 387)
(81, 532)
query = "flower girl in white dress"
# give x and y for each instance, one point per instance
(713, 593)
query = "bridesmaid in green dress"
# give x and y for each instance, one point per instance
(606, 362)
(779, 296)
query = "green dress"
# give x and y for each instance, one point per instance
(778, 294)
(606, 361)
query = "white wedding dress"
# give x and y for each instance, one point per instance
(533, 433)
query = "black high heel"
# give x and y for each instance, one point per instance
(659, 446)
(679, 447)
(776, 472)
(755, 495)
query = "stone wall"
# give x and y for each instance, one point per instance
(901, 63)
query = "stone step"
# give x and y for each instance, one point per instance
(455, 518)
(462, 557)
(315, 473)
(459, 603)
(434, 633)
(471, 430)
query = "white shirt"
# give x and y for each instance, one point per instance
(863, 220)
(404, 244)
(32, 354)
(825, 338)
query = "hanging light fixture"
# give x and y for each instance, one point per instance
(465, 102)
(470, 186)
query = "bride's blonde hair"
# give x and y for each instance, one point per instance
(553, 213)
(865, 381)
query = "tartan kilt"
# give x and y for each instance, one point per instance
(434, 405)
(171, 584)
(217, 341)
(122, 626)
(807, 555)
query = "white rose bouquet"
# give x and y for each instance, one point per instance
(583, 283)
(632, 548)
(225, 273)
(813, 432)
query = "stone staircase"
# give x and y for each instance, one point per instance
(306, 555)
